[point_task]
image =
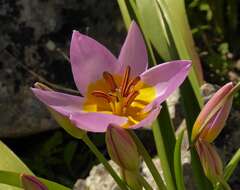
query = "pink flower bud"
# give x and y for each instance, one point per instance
(210, 160)
(32, 183)
(121, 148)
(213, 116)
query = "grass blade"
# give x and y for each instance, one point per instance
(178, 163)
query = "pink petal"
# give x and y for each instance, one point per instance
(216, 124)
(211, 104)
(133, 52)
(147, 121)
(96, 122)
(60, 102)
(166, 78)
(89, 59)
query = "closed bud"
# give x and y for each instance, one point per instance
(32, 183)
(213, 116)
(62, 120)
(122, 149)
(210, 160)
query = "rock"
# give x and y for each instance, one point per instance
(35, 36)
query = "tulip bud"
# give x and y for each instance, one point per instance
(210, 160)
(63, 121)
(213, 116)
(32, 183)
(122, 149)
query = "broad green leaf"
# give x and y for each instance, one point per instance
(8, 187)
(13, 179)
(172, 10)
(178, 163)
(176, 17)
(156, 28)
(10, 162)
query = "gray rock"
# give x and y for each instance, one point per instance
(34, 36)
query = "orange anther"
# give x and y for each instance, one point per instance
(101, 94)
(130, 98)
(110, 80)
(132, 83)
(125, 81)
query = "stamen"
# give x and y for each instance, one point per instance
(110, 80)
(132, 83)
(101, 94)
(125, 81)
(130, 98)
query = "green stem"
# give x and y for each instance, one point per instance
(103, 160)
(148, 160)
(161, 149)
(144, 183)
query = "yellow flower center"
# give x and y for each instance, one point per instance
(120, 95)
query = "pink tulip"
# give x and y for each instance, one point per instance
(32, 183)
(213, 116)
(115, 91)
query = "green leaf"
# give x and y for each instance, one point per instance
(174, 13)
(10, 162)
(156, 29)
(13, 179)
(231, 166)
(168, 135)
(178, 163)
(9, 187)
(162, 154)
(125, 14)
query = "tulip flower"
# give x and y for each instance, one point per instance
(32, 183)
(115, 91)
(212, 118)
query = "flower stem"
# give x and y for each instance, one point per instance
(103, 160)
(144, 183)
(161, 149)
(148, 160)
